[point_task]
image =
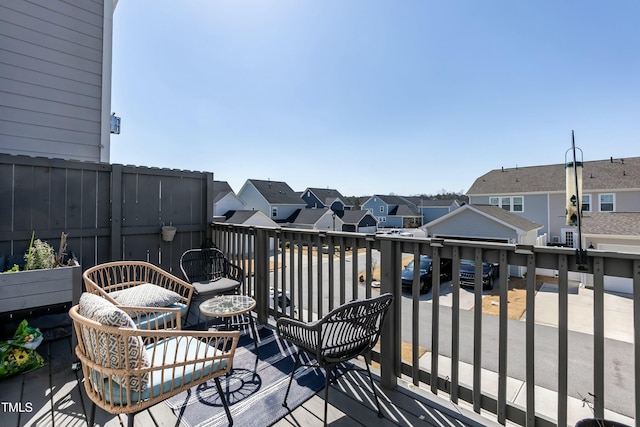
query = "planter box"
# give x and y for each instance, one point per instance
(39, 288)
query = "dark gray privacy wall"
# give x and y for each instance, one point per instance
(111, 212)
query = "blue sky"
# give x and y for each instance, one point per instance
(373, 96)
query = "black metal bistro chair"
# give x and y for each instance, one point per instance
(211, 274)
(345, 333)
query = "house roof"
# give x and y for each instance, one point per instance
(610, 174)
(615, 223)
(495, 212)
(444, 203)
(239, 217)
(221, 189)
(277, 192)
(326, 194)
(405, 210)
(309, 216)
(393, 200)
(355, 216)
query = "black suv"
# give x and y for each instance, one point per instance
(426, 272)
(468, 273)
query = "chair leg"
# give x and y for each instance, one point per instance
(130, 418)
(296, 364)
(224, 400)
(327, 381)
(373, 388)
(91, 419)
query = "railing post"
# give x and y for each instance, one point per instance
(390, 340)
(261, 282)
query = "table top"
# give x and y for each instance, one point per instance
(227, 305)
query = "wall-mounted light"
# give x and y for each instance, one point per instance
(115, 124)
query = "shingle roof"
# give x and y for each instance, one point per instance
(354, 216)
(239, 217)
(406, 210)
(277, 192)
(326, 194)
(393, 200)
(504, 216)
(309, 216)
(220, 189)
(616, 223)
(610, 174)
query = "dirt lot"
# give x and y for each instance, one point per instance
(516, 295)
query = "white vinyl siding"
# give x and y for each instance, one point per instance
(51, 78)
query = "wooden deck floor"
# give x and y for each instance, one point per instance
(54, 396)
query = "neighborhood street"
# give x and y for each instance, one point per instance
(619, 357)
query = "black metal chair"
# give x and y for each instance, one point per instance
(345, 333)
(211, 274)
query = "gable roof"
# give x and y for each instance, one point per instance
(355, 216)
(393, 200)
(277, 192)
(610, 174)
(220, 189)
(239, 217)
(325, 194)
(309, 216)
(405, 210)
(612, 223)
(494, 212)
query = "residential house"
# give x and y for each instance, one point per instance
(225, 199)
(613, 232)
(317, 219)
(325, 198)
(55, 78)
(538, 192)
(393, 211)
(359, 221)
(485, 223)
(274, 198)
(431, 209)
(255, 218)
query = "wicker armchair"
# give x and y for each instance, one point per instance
(170, 300)
(127, 370)
(211, 274)
(345, 333)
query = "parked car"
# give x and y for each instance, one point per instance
(468, 273)
(426, 272)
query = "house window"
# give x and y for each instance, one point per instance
(568, 237)
(606, 203)
(274, 211)
(505, 203)
(381, 209)
(586, 203)
(508, 203)
(517, 204)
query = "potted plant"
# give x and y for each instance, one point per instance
(46, 279)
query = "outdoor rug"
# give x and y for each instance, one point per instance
(254, 389)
